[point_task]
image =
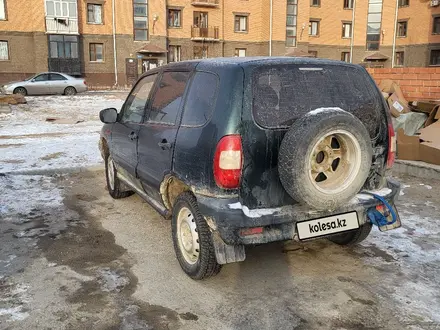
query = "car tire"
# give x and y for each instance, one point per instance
(70, 91)
(352, 237)
(114, 185)
(192, 239)
(325, 158)
(21, 91)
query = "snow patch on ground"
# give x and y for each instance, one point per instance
(26, 193)
(29, 142)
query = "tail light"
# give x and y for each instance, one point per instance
(228, 162)
(391, 146)
(85, 82)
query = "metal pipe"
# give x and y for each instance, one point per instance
(395, 33)
(115, 56)
(270, 27)
(353, 18)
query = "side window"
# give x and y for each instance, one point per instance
(42, 77)
(168, 96)
(55, 76)
(134, 107)
(200, 105)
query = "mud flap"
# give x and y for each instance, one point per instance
(225, 253)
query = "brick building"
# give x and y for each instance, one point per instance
(96, 38)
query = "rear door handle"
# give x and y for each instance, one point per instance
(133, 136)
(164, 144)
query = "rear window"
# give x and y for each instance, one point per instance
(284, 93)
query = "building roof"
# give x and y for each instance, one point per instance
(149, 48)
(376, 56)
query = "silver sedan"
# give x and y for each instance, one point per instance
(47, 83)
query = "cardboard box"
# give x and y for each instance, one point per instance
(385, 95)
(423, 106)
(397, 102)
(424, 147)
(433, 116)
(397, 105)
(408, 147)
(430, 152)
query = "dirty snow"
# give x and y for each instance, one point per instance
(26, 193)
(255, 213)
(320, 110)
(29, 142)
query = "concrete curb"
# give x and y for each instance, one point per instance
(52, 171)
(416, 168)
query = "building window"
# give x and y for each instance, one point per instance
(345, 56)
(402, 28)
(200, 52)
(173, 54)
(403, 3)
(94, 14)
(346, 30)
(348, 4)
(313, 28)
(241, 23)
(140, 17)
(61, 8)
(63, 46)
(4, 51)
(400, 59)
(2, 10)
(292, 12)
(315, 3)
(313, 53)
(200, 19)
(174, 18)
(436, 25)
(96, 52)
(435, 57)
(240, 52)
(374, 24)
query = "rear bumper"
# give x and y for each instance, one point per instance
(229, 217)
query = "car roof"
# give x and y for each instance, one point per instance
(244, 62)
(263, 60)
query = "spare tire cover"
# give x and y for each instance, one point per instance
(325, 158)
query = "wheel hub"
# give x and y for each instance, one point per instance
(334, 161)
(187, 236)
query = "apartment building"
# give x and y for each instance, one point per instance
(113, 41)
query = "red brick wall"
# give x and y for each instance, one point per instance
(416, 83)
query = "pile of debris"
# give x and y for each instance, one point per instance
(417, 124)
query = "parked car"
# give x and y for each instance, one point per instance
(47, 83)
(245, 151)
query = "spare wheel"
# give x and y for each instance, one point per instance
(325, 158)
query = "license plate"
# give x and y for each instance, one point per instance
(328, 225)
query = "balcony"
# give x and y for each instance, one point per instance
(210, 33)
(64, 25)
(205, 3)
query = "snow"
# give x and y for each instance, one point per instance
(319, 110)
(29, 142)
(38, 192)
(255, 213)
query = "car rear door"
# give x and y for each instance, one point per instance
(158, 133)
(58, 83)
(124, 140)
(39, 85)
